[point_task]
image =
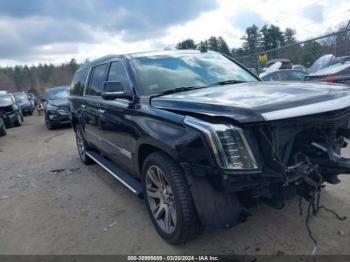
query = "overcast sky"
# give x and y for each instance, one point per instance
(54, 31)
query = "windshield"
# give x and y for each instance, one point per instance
(162, 73)
(5, 100)
(58, 93)
(20, 97)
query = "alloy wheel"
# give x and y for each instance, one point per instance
(161, 199)
(80, 144)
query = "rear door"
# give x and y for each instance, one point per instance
(119, 133)
(92, 105)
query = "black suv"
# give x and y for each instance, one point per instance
(10, 113)
(56, 107)
(202, 139)
(23, 102)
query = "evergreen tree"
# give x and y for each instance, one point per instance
(186, 44)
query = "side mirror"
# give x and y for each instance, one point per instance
(113, 89)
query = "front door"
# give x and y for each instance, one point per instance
(117, 131)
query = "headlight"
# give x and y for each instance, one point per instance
(228, 144)
(51, 107)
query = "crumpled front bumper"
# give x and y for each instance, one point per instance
(10, 118)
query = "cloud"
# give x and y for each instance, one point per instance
(23, 36)
(246, 17)
(27, 27)
(137, 19)
(314, 12)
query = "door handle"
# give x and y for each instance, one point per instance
(101, 111)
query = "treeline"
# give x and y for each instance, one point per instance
(271, 37)
(36, 79)
(254, 39)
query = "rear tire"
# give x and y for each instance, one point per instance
(82, 146)
(3, 129)
(168, 199)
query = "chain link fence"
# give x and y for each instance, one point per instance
(334, 47)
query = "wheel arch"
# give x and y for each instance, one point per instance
(146, 149)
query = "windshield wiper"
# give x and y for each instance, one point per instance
(177, 90)
(189, 88)
(227, 82)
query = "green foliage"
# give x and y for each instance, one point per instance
(186, 44)
(36, 79)
(289, 36)
(312, 51)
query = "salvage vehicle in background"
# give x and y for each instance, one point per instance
(9, 111)
(32, 99)
(337, 73)
(56, 108)
(285, 63)
(23, 103)
(284, 75)
(2, 127)
(202, 139)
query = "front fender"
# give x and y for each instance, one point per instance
(182, 143)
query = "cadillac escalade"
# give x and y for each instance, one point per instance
(202, 139)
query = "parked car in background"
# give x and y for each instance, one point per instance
(301, 68)
(202, 138)
(2, 127)
(284, 75)
(285, 63)
(56, 107)
(323, 62)
(32, 99)
(9, 111)
(23, 103)
(337, 73)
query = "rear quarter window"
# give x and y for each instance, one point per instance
(78, 82)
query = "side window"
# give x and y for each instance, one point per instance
(96, 81)
(117, 73)
(272, 77)
(78, 82)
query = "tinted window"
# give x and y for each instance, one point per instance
(165, 72)
(292, 76)
(97, 79)
(58, 93)
(269, 77)
(117, 73)
(20, 97)
(78, 82)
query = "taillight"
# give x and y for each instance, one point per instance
(330, 79)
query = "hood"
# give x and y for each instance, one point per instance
(259, 101)
(59, 102)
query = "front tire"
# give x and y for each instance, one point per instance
(168, 199)
(18, 121)
(48, 123)
(82, 146)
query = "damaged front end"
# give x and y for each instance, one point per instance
(304, 152)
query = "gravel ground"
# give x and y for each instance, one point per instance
(50, 203)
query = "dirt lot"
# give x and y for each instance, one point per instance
(83, 210)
